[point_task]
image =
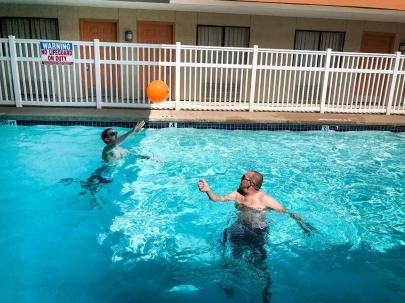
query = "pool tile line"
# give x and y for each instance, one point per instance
(221, 126)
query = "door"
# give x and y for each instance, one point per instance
(105, 31)
(382, 43)
(155, 33)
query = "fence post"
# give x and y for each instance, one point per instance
(393, 82)
(325, 79)
(177, 80)
(253, 82)
(14, 71)
(97, 72)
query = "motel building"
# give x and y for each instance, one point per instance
(219, 43)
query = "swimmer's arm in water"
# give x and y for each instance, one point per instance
(137, 128)
(296, 217)
(148, 158)
(204, 187)
(272, 203)
(306, 227)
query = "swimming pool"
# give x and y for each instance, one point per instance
(151, 236)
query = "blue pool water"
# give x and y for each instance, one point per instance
(151, 236)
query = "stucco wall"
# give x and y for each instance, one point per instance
(391, 4)
(186, 28)
(354, 32)
(272, 32)
(265, 31)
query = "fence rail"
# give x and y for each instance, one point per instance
(203, 78)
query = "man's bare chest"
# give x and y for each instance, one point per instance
(250, 202)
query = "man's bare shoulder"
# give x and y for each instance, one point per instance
(269, 202)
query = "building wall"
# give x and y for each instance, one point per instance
(391, 4)
(265, 31)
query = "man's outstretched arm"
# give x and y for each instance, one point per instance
(204, 187)
(274, 204)
(137, 128)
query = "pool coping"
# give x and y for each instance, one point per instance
(200, 119)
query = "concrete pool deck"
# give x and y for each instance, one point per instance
(129, 115)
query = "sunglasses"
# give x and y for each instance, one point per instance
(247, 179)
(112, 134)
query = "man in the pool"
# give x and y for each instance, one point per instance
(248, 198)
(249, 233)
(251, 228)
(113, 151)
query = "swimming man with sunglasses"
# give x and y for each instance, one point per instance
(248, 235)
(251, 228)
(248, 198)
(112, 152)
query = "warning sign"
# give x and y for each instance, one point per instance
(56, 53)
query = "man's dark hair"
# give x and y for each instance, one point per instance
(104, 134)
(257, 179)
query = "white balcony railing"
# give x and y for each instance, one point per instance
(203, 78)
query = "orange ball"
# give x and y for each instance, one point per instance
(157, 91)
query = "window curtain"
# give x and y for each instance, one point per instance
(236, 37)
(47, 29)
(221, 36)
(332, 40)
(317, 41)
(20, 28)
(209, 36)
(30, 28)
(306, 40)
(335, 42)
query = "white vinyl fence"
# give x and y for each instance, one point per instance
(203, 78)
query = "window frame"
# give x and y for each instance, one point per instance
(243, 60)
(320, 38)
(29, 19)
(337, 63)
(223, 33)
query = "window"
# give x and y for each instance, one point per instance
(226, 36)
(30, 28)
(317, 41)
